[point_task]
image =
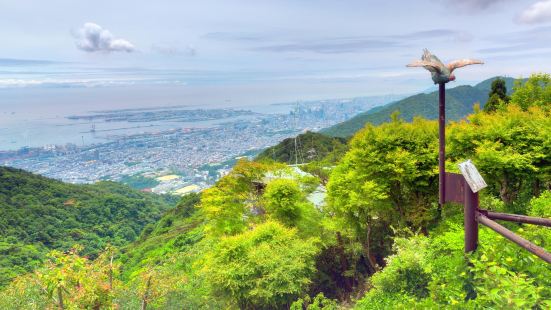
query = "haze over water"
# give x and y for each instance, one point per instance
(26, 120)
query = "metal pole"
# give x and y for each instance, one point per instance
(471, 225)
(536, 250)
(442, 140)
(518, 218)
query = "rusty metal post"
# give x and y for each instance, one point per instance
(470, 223)
(536, 250)
(442, 146)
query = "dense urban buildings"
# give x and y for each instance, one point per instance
(195, 156)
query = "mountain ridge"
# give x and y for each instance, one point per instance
(303, 148)
(459, 103)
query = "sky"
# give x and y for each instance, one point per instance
(231, 52)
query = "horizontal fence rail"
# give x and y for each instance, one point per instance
(536, 250)
(459, 191)
(517, 218)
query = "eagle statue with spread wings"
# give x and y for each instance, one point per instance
(440, 72)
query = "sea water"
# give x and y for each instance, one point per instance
(39, 117)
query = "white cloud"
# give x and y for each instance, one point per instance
(538, 12)
(93, 38)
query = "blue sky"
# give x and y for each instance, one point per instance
(265, 51)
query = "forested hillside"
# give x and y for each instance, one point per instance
(304, 148)
(174, 232)
(459, 103)
(256, 240)
(38, 214)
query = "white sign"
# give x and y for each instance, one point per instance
(472, 176)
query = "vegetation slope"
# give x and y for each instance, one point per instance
(38, 214)
(306, 147)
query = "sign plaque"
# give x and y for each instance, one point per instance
(472, 176)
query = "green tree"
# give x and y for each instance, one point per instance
(511, 148)
(229, 203)
(388, 178)
(283, 200)
(497, 96)
(269, 266)
(536, 91)
(67, 281)
(25, 292)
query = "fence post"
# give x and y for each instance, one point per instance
(470, 222)
(442, 146)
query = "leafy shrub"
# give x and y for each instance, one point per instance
(320, 302)
(536, 91)
(541, 206)
(405, 271)
(283, 199)
(499, 275)
(268, 266)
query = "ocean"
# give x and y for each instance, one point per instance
(38, 117)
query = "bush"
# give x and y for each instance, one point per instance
(283, 199)
(541, 206)
(269, 266)
(320, 302)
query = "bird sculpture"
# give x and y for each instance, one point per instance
(440, 72)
